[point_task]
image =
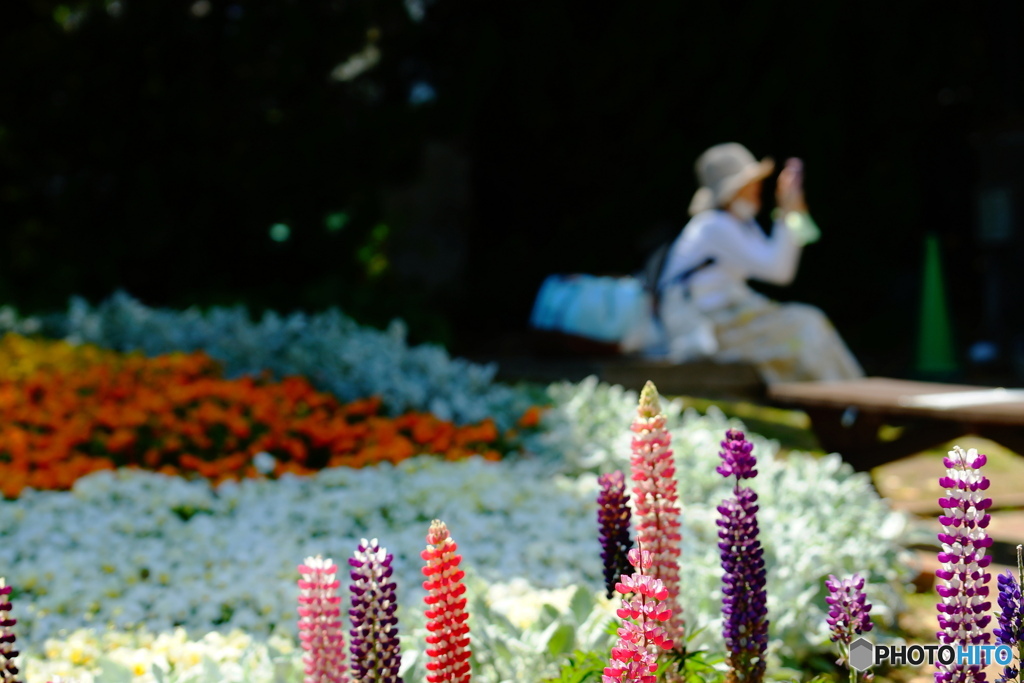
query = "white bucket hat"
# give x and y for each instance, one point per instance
(722, 171)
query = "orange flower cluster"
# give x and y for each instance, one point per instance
(176, 414)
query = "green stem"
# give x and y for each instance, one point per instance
(844, 650)
(1020, 575)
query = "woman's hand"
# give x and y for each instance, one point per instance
(789, 191)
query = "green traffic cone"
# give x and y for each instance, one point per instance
(935, 355)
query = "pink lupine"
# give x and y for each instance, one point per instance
(448, 642)
(320, 630)
(8, 669)
(656, 502)
(634, 658)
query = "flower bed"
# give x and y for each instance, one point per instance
(134, 548)
(68, 411)
(130, 549)
(329, 349)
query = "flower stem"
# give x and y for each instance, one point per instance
(1020, 575)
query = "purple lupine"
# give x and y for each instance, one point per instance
(613, 520)
(8, 669)
(848, 613)
(320, 622)
(373, 641)
(744, 607)
(1010, 629)
(964, 591)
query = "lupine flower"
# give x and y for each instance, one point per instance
(1010, 629)
(656, 502)
(964, 591)
(448, 642)
(634, 658)
(744, 607)
(374, 636)
(8, 669)
(613, 519)
(320, 622)
(848, 614)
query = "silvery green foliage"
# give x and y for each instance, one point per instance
(505, 650)
(10, 321)
(587, 429)
(817, 516)
(330, 349)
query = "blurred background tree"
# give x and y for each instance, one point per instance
(435, 159)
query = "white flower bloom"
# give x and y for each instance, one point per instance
(264, 462)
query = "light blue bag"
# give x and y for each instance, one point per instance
(602, 308)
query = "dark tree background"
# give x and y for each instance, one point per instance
(153, 146)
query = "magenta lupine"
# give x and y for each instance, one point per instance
(744, 605)
(964, 590)
(634, 659)
(848, 614)
(320, 630)
(656, 502)
(448, 642)
(613, 520)
(8, 668)
(373, 640)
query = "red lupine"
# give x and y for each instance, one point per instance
(634, 659)
(320, 628)
(656, 502)
(448, 642)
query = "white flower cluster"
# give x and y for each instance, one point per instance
(85, 656)
(330, 349)
(817, 517)
(518, 632)
(134, 548)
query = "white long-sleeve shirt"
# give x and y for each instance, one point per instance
(741, 252)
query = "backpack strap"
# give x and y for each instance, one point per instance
(682, 278)
(685, 276)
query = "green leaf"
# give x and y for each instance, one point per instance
(582, 667)
(561, 639)
(112, 672)
(211, 671)
(548, 615)
(582, 604)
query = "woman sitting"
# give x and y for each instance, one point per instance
(705, 306)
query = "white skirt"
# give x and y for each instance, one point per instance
(786, 342)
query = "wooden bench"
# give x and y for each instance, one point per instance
(846, 416)
(707, 379)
